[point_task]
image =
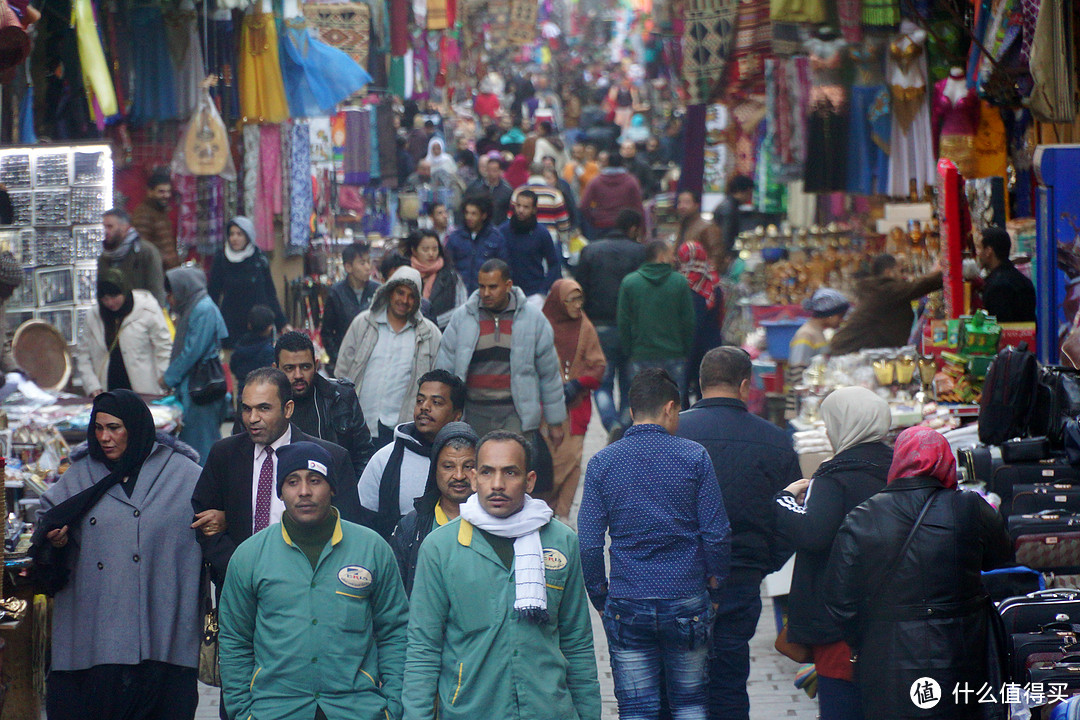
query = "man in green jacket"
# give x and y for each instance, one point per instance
(655, 316)
(313, 613)
(499, 626)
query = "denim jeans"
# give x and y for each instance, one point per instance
(615, 371)
(838, 699)
(729, 658)
(646, 637)
(676, 368)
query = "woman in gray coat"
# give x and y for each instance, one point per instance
(126, 623)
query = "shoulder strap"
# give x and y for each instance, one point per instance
(886, 581)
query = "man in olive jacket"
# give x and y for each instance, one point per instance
(499, 623)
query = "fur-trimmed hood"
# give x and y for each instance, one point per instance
(82, 450)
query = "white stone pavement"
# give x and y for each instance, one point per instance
(772, 694)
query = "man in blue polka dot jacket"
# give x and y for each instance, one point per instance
(658, 498)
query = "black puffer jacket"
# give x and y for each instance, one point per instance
(840, 485)
(601, 269)
(342, 306)
(339, 419)
(930, 617)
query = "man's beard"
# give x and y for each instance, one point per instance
(522, 226)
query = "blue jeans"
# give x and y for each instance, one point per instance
(729, 658)
(615, 371)
(646, 637)
(838, 699)
(676, 368)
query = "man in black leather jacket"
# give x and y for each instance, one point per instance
(326, 409)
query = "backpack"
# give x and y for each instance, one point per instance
(1009, 394)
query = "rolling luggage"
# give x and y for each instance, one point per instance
(1028, 613)
(1005, 478)
(1065, 672)
(1028, 499)
(1046, 540)
(1037, 649)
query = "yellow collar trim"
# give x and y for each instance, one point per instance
(464, 533)
(334, 539)
(440, 515)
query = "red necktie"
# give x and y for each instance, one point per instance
(262, 496)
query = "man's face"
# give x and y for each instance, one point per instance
(833, 322)
(501, 481)
(493, 171)
(300, 367)
(265, 419)
(628, 150)
(403, 302)
(494, 290)
(744, 198)
(578, 152)
(161, 194)
(455, 470)
(686, 206)
(474, 218)
(590, 152)
(113, 302)
(115, 230)
(423, 169)
(433, 409)
(524, 208)
(307, 496)
(359, 270)
(440, 218)
(652, 144)
(983, 254)
(549, 162)
(602, 159)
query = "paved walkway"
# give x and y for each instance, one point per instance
(772, 694)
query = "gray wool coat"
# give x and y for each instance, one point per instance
(133, 594)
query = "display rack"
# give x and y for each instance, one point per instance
(58, 193)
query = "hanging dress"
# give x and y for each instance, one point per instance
(155, 77)
(262, 90)
(955, 124)
(827, 124)
(186, 51)
(317, 76)
(868, 149)
(911, 154)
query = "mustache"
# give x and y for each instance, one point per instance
(497, 496)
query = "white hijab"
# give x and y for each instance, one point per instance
(853, 416)
(441, 162)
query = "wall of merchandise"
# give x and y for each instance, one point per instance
(58, 193)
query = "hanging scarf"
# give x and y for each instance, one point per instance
(428, 271)
(523, 527)
(695, 266)
(922, 452)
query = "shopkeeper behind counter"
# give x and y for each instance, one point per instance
(882, 317)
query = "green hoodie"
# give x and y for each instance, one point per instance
(655, 314)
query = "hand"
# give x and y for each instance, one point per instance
(210, 522)
(161, 381)
(571, 389)
(798, 489)
(555, 434)
(58, 538)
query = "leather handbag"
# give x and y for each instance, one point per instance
(209, 664)
(1021, 450)
(796, 651)
(207, 381)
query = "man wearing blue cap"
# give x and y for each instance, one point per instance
(313, 614)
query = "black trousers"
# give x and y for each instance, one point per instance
(147, 691)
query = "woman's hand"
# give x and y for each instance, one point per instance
(798, 489)
(210, 522)
(58, 538)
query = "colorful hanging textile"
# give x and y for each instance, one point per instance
(182, 30)
(96, 80)
(317, 76)
(373, 132)
(268, 192)
(262, 90)
(251, 168)
(880, 12)
(753, 41)
(301, 200)
(522, 30)
(221, 56)
(436, 15)
(708, 31)
(357, 140)
(345, 26)
(155, 77)
(387, 145)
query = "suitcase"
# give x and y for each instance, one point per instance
(1045, 521)
(1035, 649)
(1064, 675)
(1050, 549)
(1029, 499)
(1054, 471)
(1028, 613)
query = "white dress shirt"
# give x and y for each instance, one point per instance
(276, 506)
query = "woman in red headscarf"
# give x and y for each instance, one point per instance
(903, 581)
(582, 363)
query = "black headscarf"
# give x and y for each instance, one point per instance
(113, 282)
(51, 565)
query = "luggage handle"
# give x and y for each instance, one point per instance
(1065, 593)
(1059, 625)
(1068, 659)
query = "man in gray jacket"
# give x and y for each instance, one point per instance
(385, 351)
(505, 349)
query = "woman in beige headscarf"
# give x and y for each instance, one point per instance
(809, 513)
(582, 363)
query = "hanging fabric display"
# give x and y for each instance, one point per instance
(155, 76)
(262, 91)
(870, 123)
(251, 136)
(317, 76)
(827, 124)
(357, 139)
(186, 52)
(301, 200)
(911, 154)
(221, 53)
(96, 79)
(268, 191)
(708, 30)
(345, 26)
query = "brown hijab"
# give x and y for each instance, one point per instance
(576, 340)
